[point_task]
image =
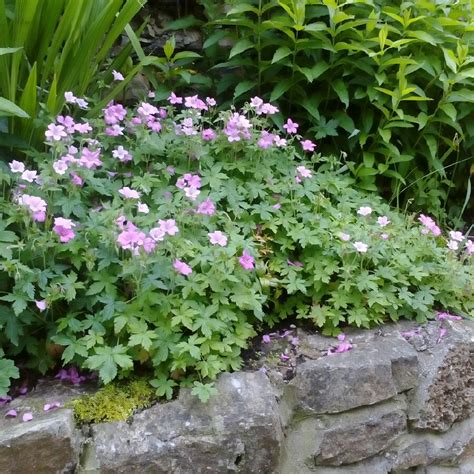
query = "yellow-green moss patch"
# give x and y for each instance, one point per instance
(115, 402)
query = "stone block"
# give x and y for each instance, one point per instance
(45, 445)
(236, 431)
(341, 382)
(343, 439)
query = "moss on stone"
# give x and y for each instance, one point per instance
(115, 402)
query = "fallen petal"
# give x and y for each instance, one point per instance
(28, 416)
(11, 413)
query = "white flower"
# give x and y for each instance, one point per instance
(453, 245)
(60, 167)
(456, 235)
(364, 211)
(117, 75)
(344, 237)
(360, 247)
(17, 166)
(28, 175)
(143, 208)
(383, 221)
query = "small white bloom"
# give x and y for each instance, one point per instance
(143, 208)
(17, 166)
(364, 211)
(28, 175)
(60, 167)
(456, 235)
(383, 221)
(360, 247)
(453, 245)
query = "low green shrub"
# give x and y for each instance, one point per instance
(390, 83)
(164, 236)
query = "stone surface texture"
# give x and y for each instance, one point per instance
(401, 401)
(238, 431)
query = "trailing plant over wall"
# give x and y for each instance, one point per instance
(164, 236)
(389, 83)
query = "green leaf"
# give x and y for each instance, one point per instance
(164, 386)
(462, 95)
(280, 89)
(313, 73)
(450, 59)
(203, 391)
(168, 48)
(9, 50)
(341, 90)
(449, 110)
(281, 53)
(244, 87)
(240, 47)
(7, 371)
(8, 109)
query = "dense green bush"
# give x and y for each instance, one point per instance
(165, 236)
(389, 83)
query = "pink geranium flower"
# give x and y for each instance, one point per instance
(247, 261)
(290, 126)
(207, 207)
(182, 267)
(174, 99)
(217, 238)
(41, 305)
(308, 145)
(129, 193)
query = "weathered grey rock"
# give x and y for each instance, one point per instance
(423, 449)
(48, 444)
(236, 431)
(341, 382)
(403, 359)
(343, 439)
(446, 390)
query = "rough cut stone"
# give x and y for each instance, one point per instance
(343, 439)
(341, 382)
(403, 359)
(423, 449)
(46, 445)
(236, 431)
(446, 390)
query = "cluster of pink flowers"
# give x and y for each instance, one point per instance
(35, 204)
(237, 128)
(190, 184)
(457, 238)
(429, 225)
(261, 107)
(302, 172)
(131, 238)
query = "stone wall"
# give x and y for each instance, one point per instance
(400, 401)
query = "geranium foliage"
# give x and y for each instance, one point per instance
(164, 236)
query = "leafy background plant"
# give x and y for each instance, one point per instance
(391, 84)
(56, 46)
